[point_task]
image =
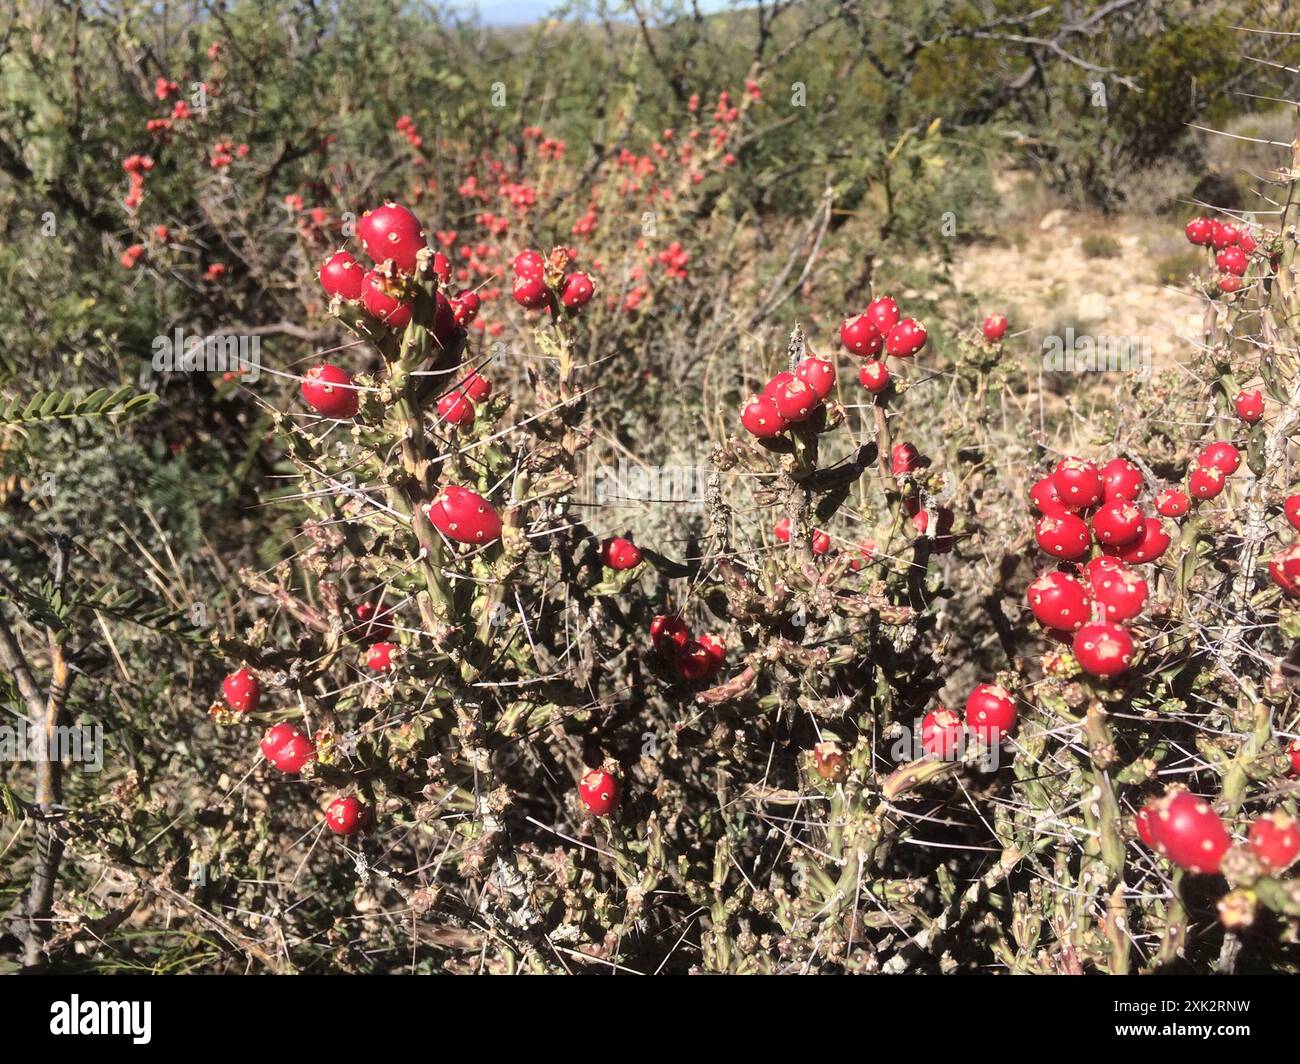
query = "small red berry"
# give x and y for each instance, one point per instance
(1120, 479)
(1062, 536)
(944, 517)
(819, 375)
(342, 276)
(1172, 503)
(442, 267)
(1199, 231)
(906, 338)
(464, 516)
(328, 390)
(1249, 406)
(1291, 510)
(1103, 649)
(1220, 455)
(372, 627)
(392, 232)
(1223, 234)
(1153, 542)
(477, 387)
(796, 401)
(1232, 260)
(1293, 751)
(904, 459)
(242, 691)
(620, 554)
(529, 263)
(874, 377)
(1059, 601)
(861, 337)
(884, 314)
(1284, 568)
(1144, 825)
(465, 308)
(995, 327)
(862, 555)
(1046, 499)
(287, 748)
(380, 657)
(1275, 840)
(599, 791)
(576, 291)
(1188, 832)
(717, 648)
(381, 304)
(1228, 282)
(695, 661)
(1117, 523)
(1077, 483)
(668, 633)
(1206, 482)
(990, 712)
(456, 408)
(530, 291)
(1121, 591)
(782, 530)
(821, 542)
(761, 417)
(346, 816)
(777, 384)
(941, 733)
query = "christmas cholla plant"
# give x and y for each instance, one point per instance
(537, 671)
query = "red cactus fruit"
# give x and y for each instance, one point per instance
(287, 748)
(620, 554)
(1275, 840)
(328, 390)
(1063, 536)
(599, 792)
(1078, 483)
(242, 691)
(464, 516)
(346, 816)
(1059, 601)
(990, 712)
(941, 733)
(1121, 480)
(1103, 649)
(1188, 832)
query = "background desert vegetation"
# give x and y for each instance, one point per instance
(160, 529)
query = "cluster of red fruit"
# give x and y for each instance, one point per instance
(289, 750)
(881, 327)
(531, 290)
(225, 152)
(406, 127)
(990, 715)
(789, 397)
(694, 659)
(821, 544)
(136, 166)
(1186, 830)
(393, 238)
(1232, 244)
(1079, 505)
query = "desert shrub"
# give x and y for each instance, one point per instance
(510, 756)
